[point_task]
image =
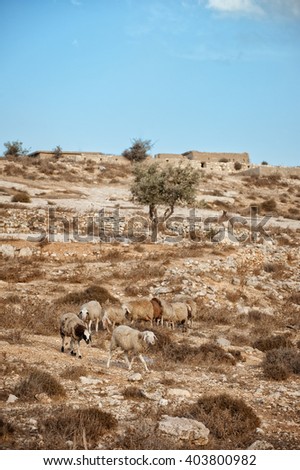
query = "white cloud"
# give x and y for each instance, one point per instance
(235, 6)
(288, 8)
(282, 7)
(76, 3)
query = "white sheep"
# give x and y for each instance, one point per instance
(180, 310)
(192, 311)
(71, 325)
(91, 312)
(140, 309)
(168, 314)
(131, 340)
(113, 314)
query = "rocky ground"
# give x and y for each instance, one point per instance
(247, 294)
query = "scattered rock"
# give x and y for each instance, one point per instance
(12, 398)
(8, 251)
(261, 445)
(136, 377)
(25, 251)
(184, 429)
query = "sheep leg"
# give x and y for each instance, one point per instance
(62, 343)
(72, 347)
(127, 361)
(78, 349)
(90, 326)
(96, 327)
(143, 362)
(108, 360)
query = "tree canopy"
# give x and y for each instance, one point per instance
(14, 149)
(138, 150)
(166, 186)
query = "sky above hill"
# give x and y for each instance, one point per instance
(207, 75)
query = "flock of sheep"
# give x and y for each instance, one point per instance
(157, 311)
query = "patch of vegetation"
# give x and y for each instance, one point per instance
(272, 342)
(84, 427)
(232, 423)
(133, 393)
(36, 382)
(21, 196)
(101, 294)
(279, 364)
(74, 373)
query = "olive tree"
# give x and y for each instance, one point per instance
(165, 186)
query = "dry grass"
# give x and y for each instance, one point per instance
(84, 427)
(272, 342)
(172, 352)
(19, 270)
(21, 196)
(133, 393)
(94, 292)
(74, 373)
(232, 423)
(279, 364)
(7, 432)
(36, 382)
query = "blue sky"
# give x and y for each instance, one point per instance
(208, 75)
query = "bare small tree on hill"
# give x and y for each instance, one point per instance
(138, 150)
(15, 149)
(155, 186)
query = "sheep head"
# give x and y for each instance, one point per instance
(149, 337)
(83, 314)
(82, 333)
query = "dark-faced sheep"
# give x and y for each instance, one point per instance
(72, 326)
(131, 340)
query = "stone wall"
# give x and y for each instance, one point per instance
(267, 170)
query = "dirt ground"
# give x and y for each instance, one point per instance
(244, 293)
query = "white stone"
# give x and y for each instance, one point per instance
(8, 251)
(184, 429)
(179, 392)
(137, 377)
(25, 251)
(12, 399)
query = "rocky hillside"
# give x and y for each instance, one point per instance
(229, 381)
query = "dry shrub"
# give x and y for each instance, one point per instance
(295, 298)
(233, 296)
(143, 436)
(19, 270)
(210, 353)
(268, 206)
(74, 373)
(6, 433)
(84, 427)
(21, 196)
(133, 393)
(214, 315)
(279, 364)
(232, 423)
(272, 342)
(33, 315)
(94, 292)
(38, 381)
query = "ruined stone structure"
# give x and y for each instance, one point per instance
(82, 156)
(204, 158)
